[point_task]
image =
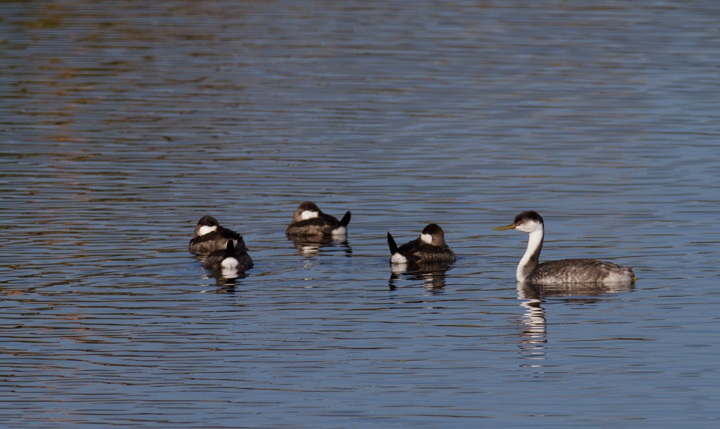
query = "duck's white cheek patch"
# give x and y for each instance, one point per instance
(426, 238)
(206, 229)
(307, 214)
(398, 259)
(229, 263)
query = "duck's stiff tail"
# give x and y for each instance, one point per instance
(391, 243)
(346, 219)
(230, 249)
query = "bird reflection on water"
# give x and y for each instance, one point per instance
(225, 278)
(532, 297)
(432, 275)
(311, 247)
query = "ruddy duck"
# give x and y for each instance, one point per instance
(429, 248)
(309, 222)
(228, 258)
(210, 236)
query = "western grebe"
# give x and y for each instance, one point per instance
(210, 236)
(228, 258)
(309, 221)
(430, 247)
(565, 271)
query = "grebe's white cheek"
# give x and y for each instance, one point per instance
(206, 229)
(426, 238)
(528, 226)
(307, 214)
(397, 258)
(536, 226)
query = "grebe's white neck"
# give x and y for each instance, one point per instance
(531, 258)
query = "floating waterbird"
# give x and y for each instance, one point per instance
(228, 259)
(308, 221)
(530, 269)
(429, 248)
(210, 236)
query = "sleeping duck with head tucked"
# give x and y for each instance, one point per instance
(309, 222)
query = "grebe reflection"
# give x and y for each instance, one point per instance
(535, 318)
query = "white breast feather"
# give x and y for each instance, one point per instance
(426, 238)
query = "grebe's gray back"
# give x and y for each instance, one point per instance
(564, 271)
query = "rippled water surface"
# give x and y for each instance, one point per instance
(125, 122)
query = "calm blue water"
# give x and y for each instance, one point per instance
(122, 124)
